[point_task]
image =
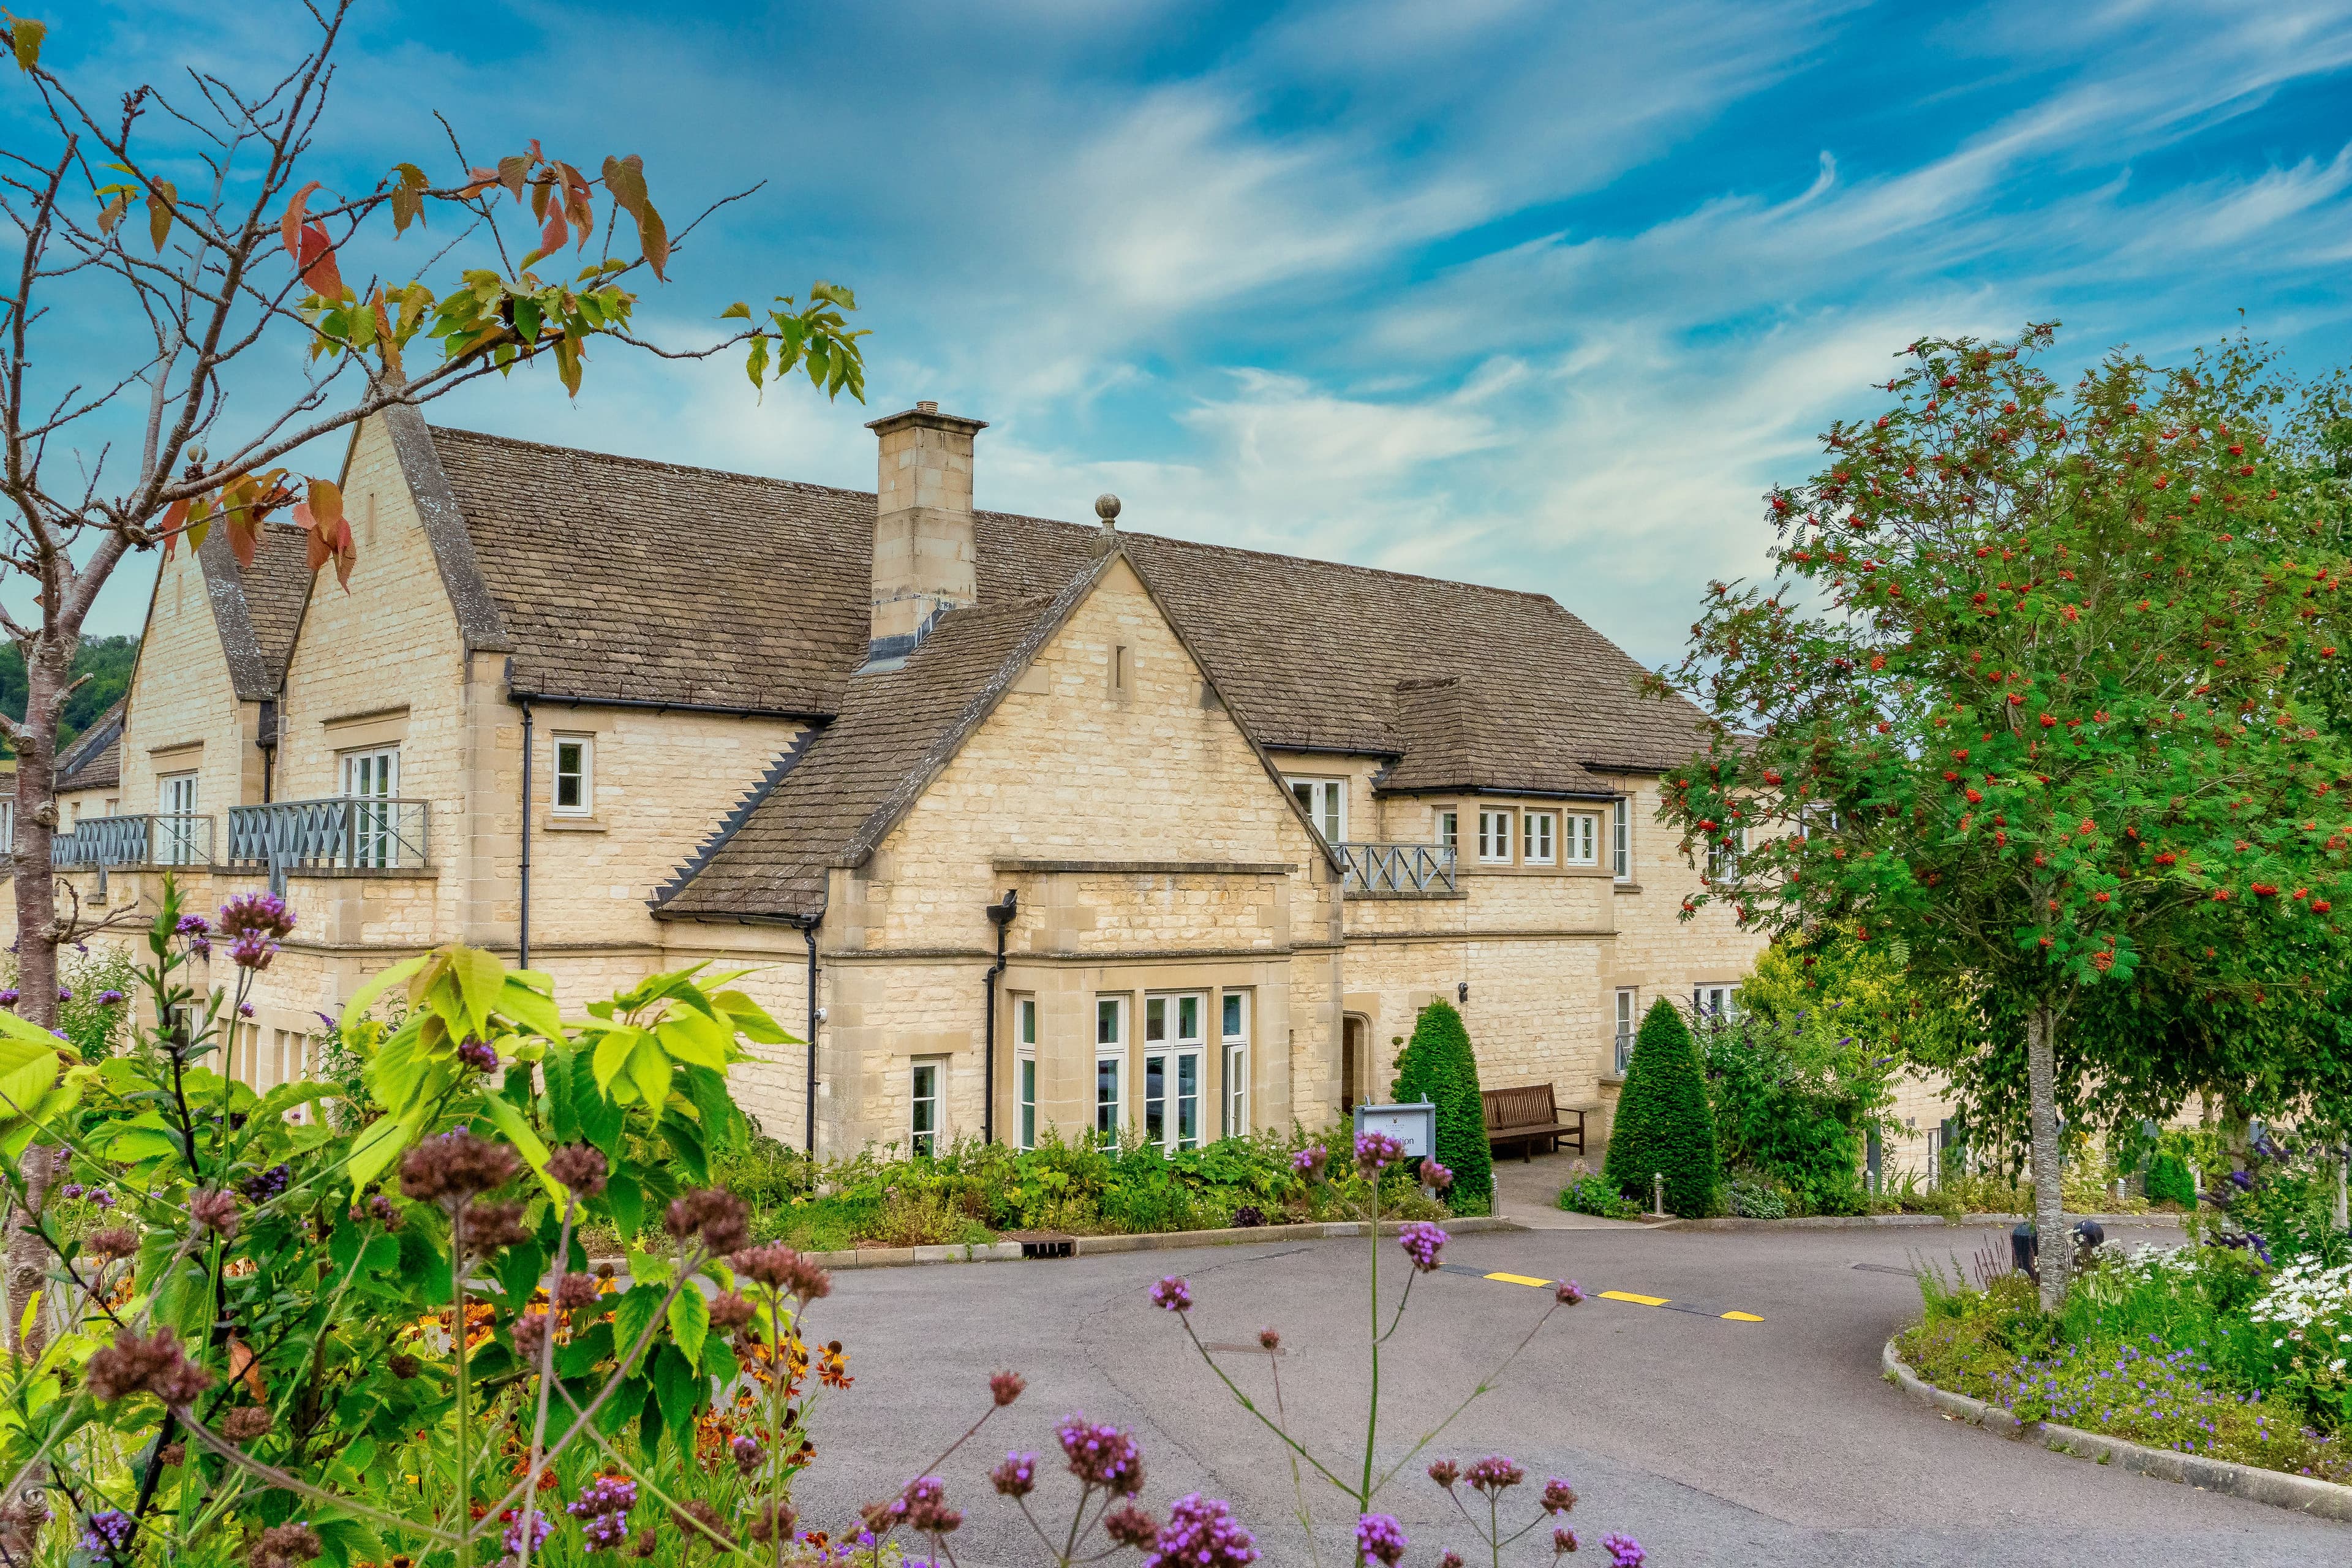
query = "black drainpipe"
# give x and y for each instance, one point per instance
(268, 743)
(808, 934)
(523, 925)
(1002, 915)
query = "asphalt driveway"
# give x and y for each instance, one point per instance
(1713, 1441)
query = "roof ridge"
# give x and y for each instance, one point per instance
(656, 464)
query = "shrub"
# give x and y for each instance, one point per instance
(1663, 1123)
(2168, 1181)
(1438, 1066)
(1794, 1097)
(1597, 1195)
(1752, 1198)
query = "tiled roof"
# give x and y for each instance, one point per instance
(260, 609)
(94, 760)
(897, 729)
(620, 578)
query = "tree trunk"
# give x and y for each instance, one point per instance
(36, 950)
(2054, 1246)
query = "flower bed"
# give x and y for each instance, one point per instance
(2200, 1351)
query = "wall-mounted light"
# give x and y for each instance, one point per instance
(1462, 992)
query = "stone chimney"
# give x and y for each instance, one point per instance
(924, 554)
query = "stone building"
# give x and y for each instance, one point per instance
(1027, 823)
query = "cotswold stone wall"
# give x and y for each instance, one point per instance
(1153, 856)
(187, 716)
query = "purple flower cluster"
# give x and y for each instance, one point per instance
(1624, 1551)
(261, 913)
(1422, 1242)
(1494, 1472)
(1201, 1533)
(198, 931)
(110, 997)
(1375, 1152)
(8, 997)
(605, 1505)
(1434, 1175)
(478, 1055)
(1017, 1477)
(1101, 1455)
(538, 1523)
(109, 1531)
(1306, 1165)
(1172, 1295)
(266, 1186)
(1380, 1538)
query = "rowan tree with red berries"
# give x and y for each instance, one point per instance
(2021, 693)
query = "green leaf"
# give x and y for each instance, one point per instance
(481, 979)
(631, 1314)
(649, 1070)
(624, 1200)
(525, 998)
(26, 36)
(680, 1392)
(614, 1049)
(690, 1322)
(365, 997)
(378, 1144)
(695, 1039)
(736, 311)
(520, 1133)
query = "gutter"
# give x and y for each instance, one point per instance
(1001, 916)
(658, 705)
(522, 926)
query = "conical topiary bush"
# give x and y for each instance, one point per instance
(1662, 1124)
(1438, 1066)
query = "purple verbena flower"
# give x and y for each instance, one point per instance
(1201, 1533)
(264, 913)
(1434, 1175)
(252, 950)
(108, 1531)
(605, 1495)
(1422, 1242)
(1375, 1152)
(539, 1525)
(1172, 1295)
(479, 1055)
(1307, 1163)
(1494, 1472)
(1380, 1539)
(1101, 1455)
(1624, 1551)
(109, 998)
(1017, 1477)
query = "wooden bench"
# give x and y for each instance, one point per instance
(1527, 1116)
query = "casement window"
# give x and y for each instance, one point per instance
(923, 1108)
(575, 776)
(371, 781)
(1110, 1067)
(1579, 839)
(1235, 1033)
(1494, 837)
(1718, 1002)
(244, 1064)
(1173, 1047)
(1025, 1065)
(1628, 1018)
(1620, 839)
(1449, 829)
(1326, 804)
(1722, 858)
(1541, 829)
(175, 836)
(8, 822)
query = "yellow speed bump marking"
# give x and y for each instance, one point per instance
(1520, 1279)
(1743, 1317)
(1637, 1301)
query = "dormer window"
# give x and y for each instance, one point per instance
(1325, 802)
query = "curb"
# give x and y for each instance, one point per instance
(1150, 1241)
(1869, 1221)
(2302, 1494)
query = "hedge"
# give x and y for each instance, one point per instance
(2168, 1181)
(1663, 1123)
(1437, 1065)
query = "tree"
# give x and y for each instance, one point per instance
(1663, 1125)
(101, 670)
(246, 264)
(2023, 694)
(1437, 1065)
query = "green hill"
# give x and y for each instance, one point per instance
(106, 660)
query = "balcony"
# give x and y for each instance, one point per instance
(1398, 871)
(101, 843)
(341, 834)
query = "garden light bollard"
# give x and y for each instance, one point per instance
(1658, 1195)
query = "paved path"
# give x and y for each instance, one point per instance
(1528, 1192)
(1715, 1442)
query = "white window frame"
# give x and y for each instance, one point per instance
(175, 798)
(369, 774)
(1581, 839)
(1446, 828)
(1621, 839)
(1234, 1027)
(1629, 1024)
(1539, 837)
(1711, 1000)
(1494, 829)
(1325, 801)
(926, 1104)
(585, 773)
(1024, 1069)
(1722, 861)
(1110, 1052)
(1171, 1046)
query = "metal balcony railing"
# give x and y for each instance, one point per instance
(1393, 870)
(98, 843)
(344, 833)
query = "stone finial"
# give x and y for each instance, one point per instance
(1106, 509)
(927, 406)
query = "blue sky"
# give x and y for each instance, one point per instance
(1530, 294)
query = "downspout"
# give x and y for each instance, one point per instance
(808, 934)
(267, 740)
(522, 922)
(1002, 914)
